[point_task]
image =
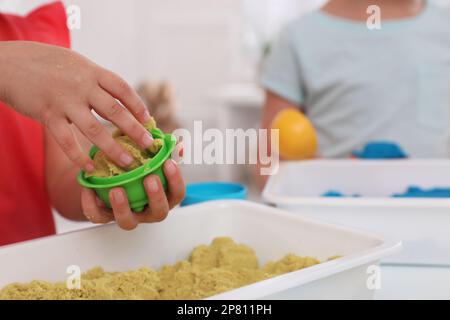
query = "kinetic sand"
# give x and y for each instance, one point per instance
(210, 270)
(105, 168)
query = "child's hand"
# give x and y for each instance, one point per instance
(159, 207)
(59, 87)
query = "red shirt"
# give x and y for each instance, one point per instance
(25, 211)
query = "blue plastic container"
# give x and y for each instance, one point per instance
(210, 191)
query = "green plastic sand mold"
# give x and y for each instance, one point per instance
(132, 181)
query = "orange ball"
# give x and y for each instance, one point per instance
(298, 140)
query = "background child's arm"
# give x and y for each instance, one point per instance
(273, 105)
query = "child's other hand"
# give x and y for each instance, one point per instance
(59, 87)
(160, 202)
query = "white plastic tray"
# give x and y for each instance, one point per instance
(271, 232)
(422, 224)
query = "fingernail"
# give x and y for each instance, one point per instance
(147, 140)
(126, 159)
(89, 167)
(152, 185)
(118, 197)
(146, 117)
(170, 167)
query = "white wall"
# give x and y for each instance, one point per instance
(194, 44)
(108, 35)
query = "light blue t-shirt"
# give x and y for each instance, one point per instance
(359, 86)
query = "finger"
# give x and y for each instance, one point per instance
(90, 209)
(125, 218)
(100, 203)
(176, 187)
(122, 91)
(64, 136)
(98, 135)
(111, 109)
(158, 204)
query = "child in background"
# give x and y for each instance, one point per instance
(358, 85)
(49, 92)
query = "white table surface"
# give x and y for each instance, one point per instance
(410, 283)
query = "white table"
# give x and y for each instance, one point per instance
(411, 283)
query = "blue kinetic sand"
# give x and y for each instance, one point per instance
(337, 194)
(416, 192)
(209, 191)
(381, 150)
(412, 192)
